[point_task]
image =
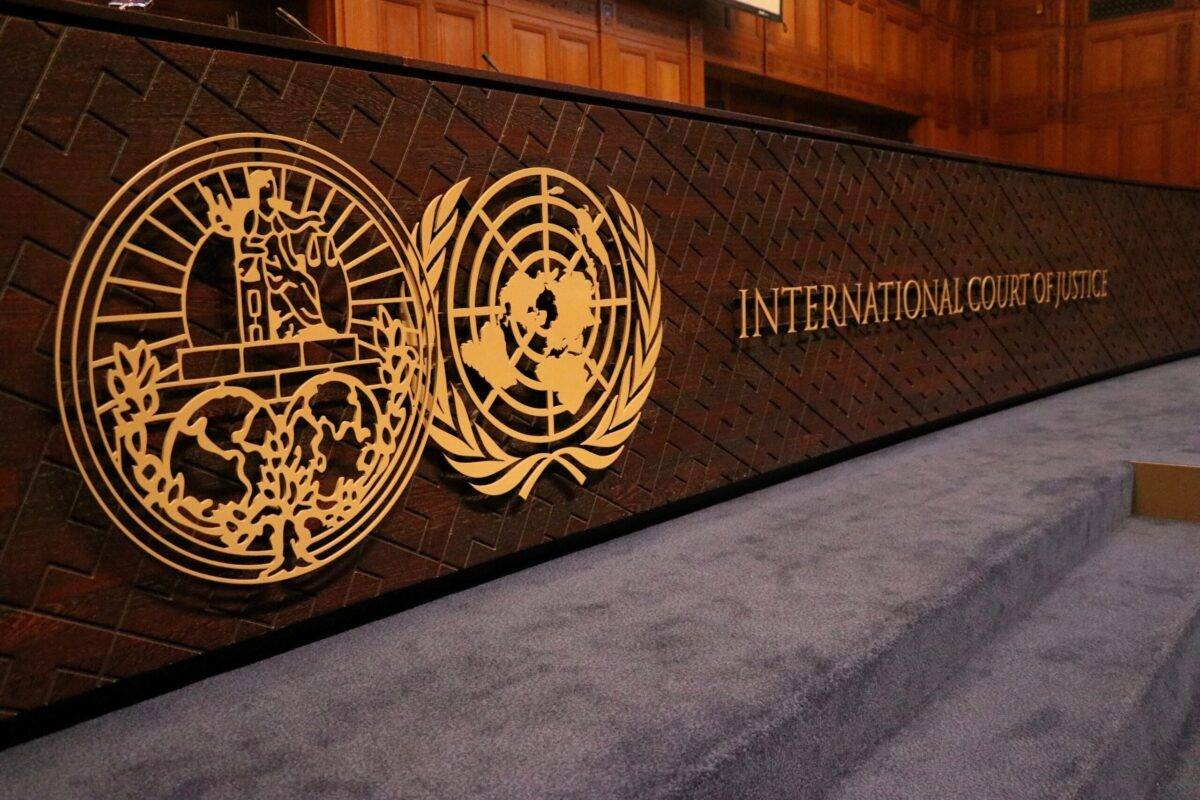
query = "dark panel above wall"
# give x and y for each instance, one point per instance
(1112, 9)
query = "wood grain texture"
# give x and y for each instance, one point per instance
(728, 206)
(1025, 81)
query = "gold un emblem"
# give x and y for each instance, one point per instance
(248, 348)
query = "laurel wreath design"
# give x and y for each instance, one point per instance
(285, 506)
(471, 450)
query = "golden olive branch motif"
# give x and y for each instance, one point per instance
(284, 505)
(432, 235)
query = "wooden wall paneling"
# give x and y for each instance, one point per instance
(696, 60)
(520, 44)
(1094, 148)
(1191, 97)
(1144, 149)
(1025, 95)
(647, 50)
(1007, 16)
(735, 38)
(1022, 80)
(322, 16)
(939, 71)
(1133, 63)
(1193, 152)
(1181, 149)
(796, 49)
(853, 46)
(1023, 146)
(950, 12)
(901, 56)
(873, 45)
(1150, 148)
(1190, 57)
(348, 24)
(1016, 91)
(947, 68)
(400, 27)
(1075, 12)
(560, 43)
(966, 80)
(578, 56)
(944, 135)
(1130, 97)
(447, 31)
(457, 33)
(1055, 100)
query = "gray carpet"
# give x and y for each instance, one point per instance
(758, 648)
(1181, 780)
(1053, 705)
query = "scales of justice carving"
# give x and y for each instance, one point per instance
(248, 351)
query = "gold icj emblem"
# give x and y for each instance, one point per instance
(248, 348)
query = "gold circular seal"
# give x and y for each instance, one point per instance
(552, 314)
(244, 358)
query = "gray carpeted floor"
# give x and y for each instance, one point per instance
(759, 644)
(1030, 712)
(1181, 781)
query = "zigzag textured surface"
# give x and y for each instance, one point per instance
(728, 206)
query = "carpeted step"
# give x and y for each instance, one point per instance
(801, 745)
(758, 648)
(1084, 698)
(1180, 779)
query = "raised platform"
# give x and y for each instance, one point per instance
(770, 646)
(1085, 697)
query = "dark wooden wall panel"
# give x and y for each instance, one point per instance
(728, 206)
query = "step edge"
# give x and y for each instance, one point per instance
(1110, 772)
(1110, 500)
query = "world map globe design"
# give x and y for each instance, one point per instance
(540, 321)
